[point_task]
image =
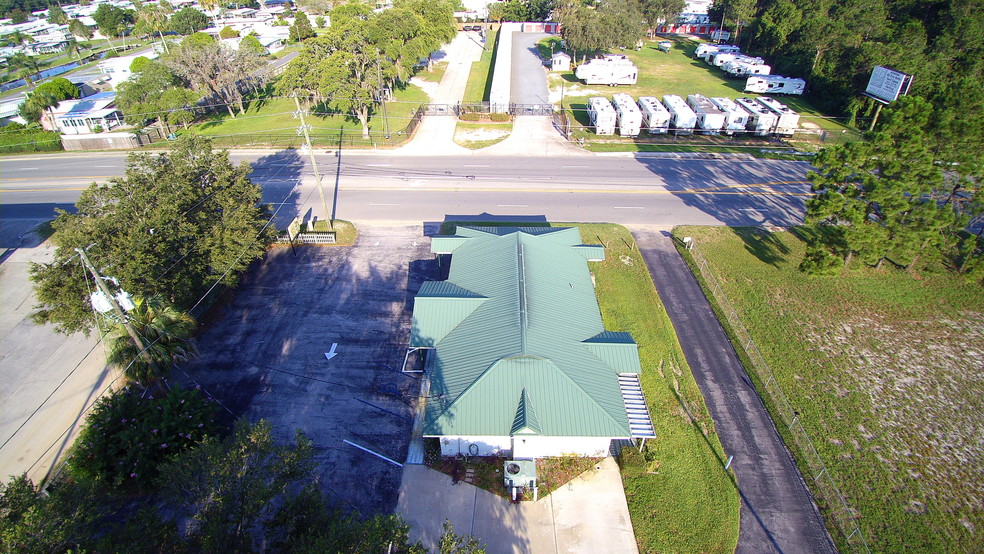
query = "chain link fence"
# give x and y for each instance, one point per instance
(826, 492)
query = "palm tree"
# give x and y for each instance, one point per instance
(165, 332)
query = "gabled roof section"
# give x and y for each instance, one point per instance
(522, 324)
(446, 244)
(591, 252)
(617, 350)
(525, 422)
(438, 308)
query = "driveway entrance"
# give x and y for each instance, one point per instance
(588, 514)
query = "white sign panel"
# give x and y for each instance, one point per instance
(886, 84)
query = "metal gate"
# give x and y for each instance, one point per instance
(439, 109)
(531, 109)
(563, 124)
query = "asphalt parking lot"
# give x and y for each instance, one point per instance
(263, 356)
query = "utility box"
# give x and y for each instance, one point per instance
(519, 475)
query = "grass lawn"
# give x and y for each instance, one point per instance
(679, 496)
(678, 72)
(435, 74)
(480, 77)
(885, 371)
(481, 135)
(271, 121)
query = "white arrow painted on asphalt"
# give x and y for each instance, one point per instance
(331, 353)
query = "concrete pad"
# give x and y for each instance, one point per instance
(589, 514)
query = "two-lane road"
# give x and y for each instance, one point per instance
(384, 187)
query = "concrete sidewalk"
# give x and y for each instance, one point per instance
(436, 133)
(47, 380)
(777, 511)
(589, 514)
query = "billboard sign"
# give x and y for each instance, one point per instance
(887, 84)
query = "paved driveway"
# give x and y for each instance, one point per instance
(589, 514)
(777, 510)
(264, 356)
(529, 78)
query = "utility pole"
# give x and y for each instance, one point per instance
(314, 162)
(141, 348)
(382, 100)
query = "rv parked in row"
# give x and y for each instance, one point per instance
(629, 116)
(775, 84)
(654, 115)
(682, 118)
(705, 50)
(788, 119)
(761, 121)
(710, 120)
(610, 69)
(735, 117)
(602, 115)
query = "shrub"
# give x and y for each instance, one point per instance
(28, 140)
(128, 436)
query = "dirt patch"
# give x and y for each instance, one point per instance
(927, 391)
(476, 135)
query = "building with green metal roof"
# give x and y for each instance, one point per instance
(518, 359)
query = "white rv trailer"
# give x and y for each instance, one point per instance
(735, 117)
(709, 118)
(602, 115)
(654, 115)
(610, 69)
(629, 116)
(736, 68)
(775, 84)
(788, 119)
(704, 51)
(718, 59)
(761, 121)
(682, 118)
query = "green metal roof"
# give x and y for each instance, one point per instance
(525, 422)
(533, 325)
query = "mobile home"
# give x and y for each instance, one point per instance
(775, 84)
(761, 121)
(602, 115)
(682, 118)
(611, 69)
(710, 119)
(654, 115)
(629, 116)
(735, 117)
(788, 119)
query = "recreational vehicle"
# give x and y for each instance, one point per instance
(654, 115)
(735, 117)
(602, 115)
(704, 51)
(611, 69)
(629, 116)
(682, 118)
(788, 119)
(710, 120)
(743, 66)
(718, 59)
(775, 84)
(761, 121)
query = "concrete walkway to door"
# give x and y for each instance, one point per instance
(777, 510)
(589, 514)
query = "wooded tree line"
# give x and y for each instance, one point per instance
(363, 52)
(147, 466)
(590, 27)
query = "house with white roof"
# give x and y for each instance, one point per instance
(84, 116)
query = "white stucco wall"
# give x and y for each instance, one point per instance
(525, 446)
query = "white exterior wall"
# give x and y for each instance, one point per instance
(529, 446)
(487, 446)
(543, 447)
